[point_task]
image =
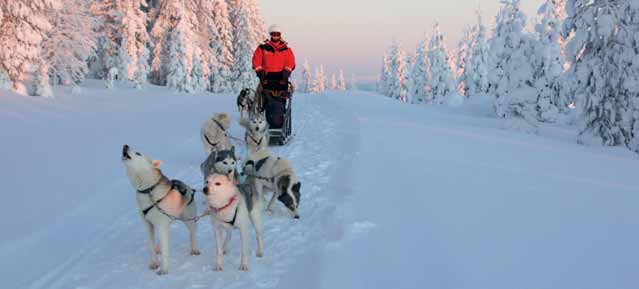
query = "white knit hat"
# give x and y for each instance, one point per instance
(274, 28)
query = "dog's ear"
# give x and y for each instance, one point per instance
(156, 164)
(233, 151)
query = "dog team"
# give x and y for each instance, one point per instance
(235, 201)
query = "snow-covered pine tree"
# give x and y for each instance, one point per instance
(319, 81)
(475, 74)
(441, 74)
(307, 78)
(223, 44)
(109, 37)
(419, 90)
(244, 44)
(111, 77)
(5, 82)
(384, 76)
(199, 77)
(333, 82)
(179, 63)
(24, 26)
(464, 50)
(134, 53)
(512, 73)
(70, 43)
(175, 22)
(257, 22)
(42, 85)
(341, 82)
(630, 19)
(549, 63)
(604, 66)
(397, 88)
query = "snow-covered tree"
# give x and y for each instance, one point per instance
(5, 82)
(24, 26)
(111, 77)
(512, 71)
(134, 53)
(70, 43)
(199, 77)
(319, 82)
(109, 34)
(307, 78)
(464, 50)
(42, 85)
(418, 87)
(222, 42)
(441, 75)
(341, 82)
(384, 76)
(549, 62)
(475, 76)
(179, 63)
(397, 88)
(333, 84)
(603, 54)
(244, 44)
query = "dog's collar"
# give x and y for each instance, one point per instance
(231, 201)
(149, 190)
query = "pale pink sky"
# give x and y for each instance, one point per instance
(354, 33)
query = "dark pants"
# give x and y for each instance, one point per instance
(275, 110)
(275, 81)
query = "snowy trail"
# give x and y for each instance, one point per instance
(393, 196)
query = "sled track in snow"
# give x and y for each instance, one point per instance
(118, 257)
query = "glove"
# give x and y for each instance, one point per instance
(286, 74)
(261, 74)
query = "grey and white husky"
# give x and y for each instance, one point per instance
(223, 162)
(269, 173)
(160, 201)
(214, 133)
(256, 136)
(232, 208)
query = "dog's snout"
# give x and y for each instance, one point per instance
(297, 217)
(205, 190)
(125, 151)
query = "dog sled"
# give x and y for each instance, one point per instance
(277, 107)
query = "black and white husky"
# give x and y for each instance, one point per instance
(269, 173)
(230, 208)
(160, 201)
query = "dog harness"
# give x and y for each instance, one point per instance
(147, 192)
(258, 143)
(231, 201)
(223, 130)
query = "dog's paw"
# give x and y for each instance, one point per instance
(154, 265)
(244, 267)
(259, 254)
(225, 252)
(218, 268)
(162, 272)
(195, 252)
(158, 250)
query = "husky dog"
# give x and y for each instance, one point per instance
(160, 201)
(223, 162)
(232, 208)
(246, 102)
(269, 173)
(214, 133)
(256, 136)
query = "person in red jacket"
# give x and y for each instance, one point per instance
(274, 61)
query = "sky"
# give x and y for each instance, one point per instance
(353, 34)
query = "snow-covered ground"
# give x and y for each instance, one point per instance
(393, 196)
